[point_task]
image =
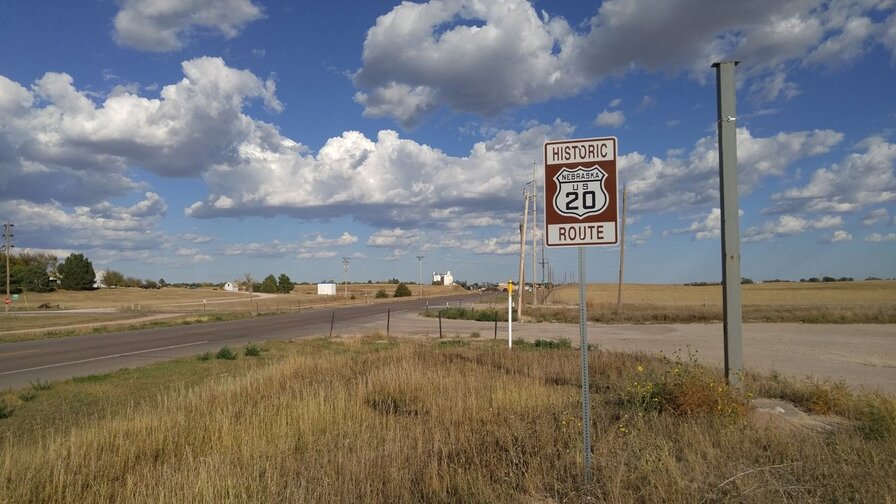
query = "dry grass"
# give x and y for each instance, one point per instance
(375, 420)
(836, 302)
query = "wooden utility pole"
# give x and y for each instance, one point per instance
(7, 236)
(621, 256)
(522, 285)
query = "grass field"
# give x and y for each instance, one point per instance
(194, 305)
(834, 302)
(377, 420)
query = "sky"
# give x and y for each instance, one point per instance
(200, 140)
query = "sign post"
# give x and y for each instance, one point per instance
(580, 188)
(509, 314)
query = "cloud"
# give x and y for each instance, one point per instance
(51, 225)
(703, 229)
(875, 216)
(877, 237)
(860, 180)
(485, 57)
(162, 25)
(680, 181)
(836, 237)
(610, 119)
(390, 238)
(57, 144)
(642, 237)
(319, 241)
(787, 225)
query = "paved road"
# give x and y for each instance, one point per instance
(861, 355)
(55, 359)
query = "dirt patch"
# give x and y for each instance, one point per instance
(776, 413)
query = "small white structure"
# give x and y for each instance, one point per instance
(443, 278)
(229, 287)
(99, 281)
(326, 289)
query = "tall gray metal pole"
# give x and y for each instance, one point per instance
(731, 297)
(583, 350)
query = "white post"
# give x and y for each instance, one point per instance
(510, 314)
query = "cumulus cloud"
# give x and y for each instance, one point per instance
(860, 180)
(610, 118)
(877, 237)
(703, 228)
(836, 237)
(875, 216)
(787, 225)
(680, 181)
(56, 143)
(483, 57)
(51, 225)
(162, 25)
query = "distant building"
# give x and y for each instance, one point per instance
(230, 287)
(443, 278)
(326, 289)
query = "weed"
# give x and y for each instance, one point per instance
(878, 419)
(452, 343)
(560, 343)
(6, 408)
(94, 378)
(475, 334)
(27, 395)
(252, 350)
(204, 356)
(41, 385)
(226, 353)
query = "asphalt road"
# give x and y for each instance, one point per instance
(61, 358)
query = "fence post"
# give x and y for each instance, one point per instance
(388, 320)
(332, 321)
(440, 324)
(496, 324)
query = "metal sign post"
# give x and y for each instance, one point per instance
(509, 314)
(581, 209)
(731, 299)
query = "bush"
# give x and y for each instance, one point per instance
(252, 350)
(41, 385)
(380, 294)
(204, 357)
(402, 290)
(226, 353)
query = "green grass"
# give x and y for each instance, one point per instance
(375, 419)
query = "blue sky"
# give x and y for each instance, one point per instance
(201, 140)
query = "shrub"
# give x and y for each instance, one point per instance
(252, 350)
(402, 290)
(41, 385)
(559, 343)
(380, 294)
(204, 357)
(226, 353)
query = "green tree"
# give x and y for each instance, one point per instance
(113, 278)
(33, 277)
(284, 284)
(402, 290)
(268, 285)
(162, 282)
(77, 273)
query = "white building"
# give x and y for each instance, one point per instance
(443, 278)
(326, 289)
(230, 287)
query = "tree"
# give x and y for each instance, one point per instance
(113, 278)
(284, 284)
(33, 277)
(402, 291)
(248, 282)
(77, 273)
(268, 285)
(163, 283)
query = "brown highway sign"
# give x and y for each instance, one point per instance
(580, 192)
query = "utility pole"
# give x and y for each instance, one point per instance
(420, 273)
(7, 245)
(731, 298)
(345, 261)
(522, 286)
(621, 256)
